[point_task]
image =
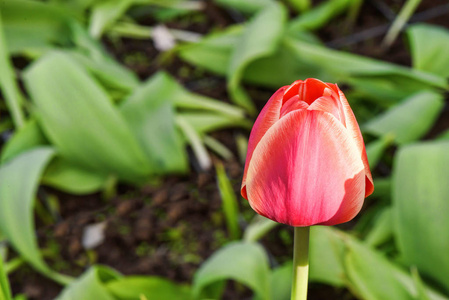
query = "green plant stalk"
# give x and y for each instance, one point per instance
(194, 140)
(230, 207)
(300, 263)
(353, 12)
(404, 15)
(301, 5)
(11, 91)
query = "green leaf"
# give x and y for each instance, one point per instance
(281, 282)
(444, 135)
(420, 207)
(72, 178)
(260, 38)
(382, 229)
(318, 16)
(245, 6)
(19, 179)
(246, 263)
(213, 52)
(105, 13)
(376, 149)
(153, 288)
(428, 45)
(192, 136)
(80, 120)
(91, 285)
(326, 254)
(368, 271)
(383, 187)
(60, 174)
(206, 122)
(229, 202)
(257, 228)
(422, 292)
(284, 63)
(299, 58)
(149, 112)
(409, 120)
(8, 84)
(23, 139)
(5, 291)
(33, 26)
(338, 66)
(93, 57)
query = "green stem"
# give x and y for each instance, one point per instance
(404, 15)
(300, 263)
(11, 92)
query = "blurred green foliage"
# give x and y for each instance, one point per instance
(82, 122)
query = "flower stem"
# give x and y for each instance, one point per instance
(300, 263)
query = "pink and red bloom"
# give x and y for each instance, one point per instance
(306, 162)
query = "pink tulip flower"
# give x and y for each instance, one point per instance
(306, 162)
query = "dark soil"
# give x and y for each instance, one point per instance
(168, 229)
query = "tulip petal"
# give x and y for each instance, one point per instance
(306, 171)
(330, 104)
(267, 117)
(354, 129)
(293, 104)
(307, 90)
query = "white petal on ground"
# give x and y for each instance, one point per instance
(163, 39)
(93, 235)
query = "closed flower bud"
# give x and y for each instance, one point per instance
(306, 162)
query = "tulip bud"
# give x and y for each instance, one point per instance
(306, 162)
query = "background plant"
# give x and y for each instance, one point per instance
(78, 121)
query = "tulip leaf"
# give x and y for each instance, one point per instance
(368, 270)
(361, 268)
(348, 67)
(90, 53)
(281, 282)
(257, 228)
(295, 58)
(91, 285)
(260, 38)
(150, 113)
(245, 6)
(71, 178)
(229, 202)
(79, 119)
(246, 263)
(444, 135)
(45, 25)
(5, 291)
(19, 179)
(376, 149)
(409, 120)
(151, 287)
(420, 207)
(214, 51)
(23, 139)
(60, 174)
(382, 230)
(8, 85)
(105, 13)
(422, 292)
(281, 279)
(318, 16)
(429, 44)
(208, 121)
(326, 252)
